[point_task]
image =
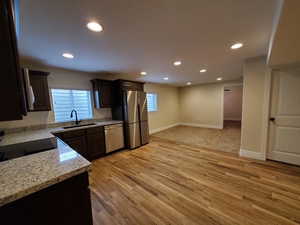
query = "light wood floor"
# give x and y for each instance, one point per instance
(227, 139)
(169, 183)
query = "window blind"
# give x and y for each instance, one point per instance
(64, 101)
(152, 102)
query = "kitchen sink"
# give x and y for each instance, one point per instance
(82, 125)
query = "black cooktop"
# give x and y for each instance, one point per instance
(28, 148)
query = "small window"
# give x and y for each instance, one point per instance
(64, 101)
(152, 102)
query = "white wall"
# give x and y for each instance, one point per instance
(168, 107)
(59, 78)
(233, 103)
(255, 102)
(202, 105)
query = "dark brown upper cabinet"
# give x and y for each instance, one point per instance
(103, 93)
(126, 85)
(12, 93)
(39, 83)
(121, 86)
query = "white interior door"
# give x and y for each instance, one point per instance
(284, 135)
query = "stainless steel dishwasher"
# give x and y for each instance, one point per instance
(114, 137)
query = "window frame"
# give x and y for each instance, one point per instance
(156, 94)
(73, 89)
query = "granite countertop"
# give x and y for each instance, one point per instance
(22, 176)
(28, 174)
(34, 135)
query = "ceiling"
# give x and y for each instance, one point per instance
(147, 35)
(285, 49)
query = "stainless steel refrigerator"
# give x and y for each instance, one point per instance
(136, 118)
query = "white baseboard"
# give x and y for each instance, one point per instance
(163, 128)
(252, 154)
(185, 124)
(201, 125)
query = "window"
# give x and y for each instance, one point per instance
(152, 102)
(64, 101)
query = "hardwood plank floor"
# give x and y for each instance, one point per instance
(227, 139)
(169, 183)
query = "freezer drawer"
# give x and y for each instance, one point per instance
(114, 137)
(144, 133)
(133, 135)
(142, 102)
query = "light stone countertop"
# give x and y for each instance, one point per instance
(28, 174)
(23, 176)
(34, 135)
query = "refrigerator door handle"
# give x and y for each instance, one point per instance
(139, 118)
(143, 106)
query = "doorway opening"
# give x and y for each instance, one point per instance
(233, 100)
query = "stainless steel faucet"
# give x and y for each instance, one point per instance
(76, 116)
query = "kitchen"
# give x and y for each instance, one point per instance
(65, 146)
(142, 112)
(58, 153)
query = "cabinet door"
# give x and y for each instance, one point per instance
(69, 200)
(39, 83)
(78, 144)
(131, 86)
(95, 143)
(96, 93)
(106, 94)
(103, 93)
(11, 86)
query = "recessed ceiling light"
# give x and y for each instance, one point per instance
(188, 83)
(237, 46)
(177, 63)
(144, 73)
(219, 78)
(203, 71)
(94, 26)
(166, 78)
(68, 55)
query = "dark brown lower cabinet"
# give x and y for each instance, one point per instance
(90, 142)
(65, 203)
(95, 142)
(78, 144)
